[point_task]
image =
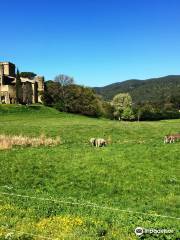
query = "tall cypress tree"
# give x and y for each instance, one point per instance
(18, 85)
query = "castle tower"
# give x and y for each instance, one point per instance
(8, 68)
(7, 76)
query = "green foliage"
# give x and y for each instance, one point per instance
(150, 111)
(52, 94)
(134, 173)
(153, 99)
(157, 90)
(72, 98)
(128, 114)
(122, 103)
(82, 100)
(18, 86)
(30, 75)
(107, 110)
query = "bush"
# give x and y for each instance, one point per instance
(150, 113)
(72, 98)
(128, 114)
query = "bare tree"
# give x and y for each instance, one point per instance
(64, 80)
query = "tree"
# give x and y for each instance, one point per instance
(120, 102)
(80, 100)
(46, 96)
(29, 75)
(128, 114)
(64, 81)
(107, 110)
(76, 99)
(18, 86)
(52, 93)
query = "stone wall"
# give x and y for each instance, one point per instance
(30, 90)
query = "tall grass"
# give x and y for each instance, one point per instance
(7, 141)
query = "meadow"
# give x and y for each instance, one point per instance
(76, 191)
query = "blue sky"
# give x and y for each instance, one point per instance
(96, 41)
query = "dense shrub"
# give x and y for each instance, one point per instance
(72, 98)
(148, 112)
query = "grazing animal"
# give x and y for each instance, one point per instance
(92, 141)
(171, 138)
(100, 142)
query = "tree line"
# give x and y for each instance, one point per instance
(66, 96)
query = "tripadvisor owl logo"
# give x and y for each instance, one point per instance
(139, 231)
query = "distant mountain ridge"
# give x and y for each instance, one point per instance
(153, 89)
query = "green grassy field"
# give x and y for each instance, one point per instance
(75, 191)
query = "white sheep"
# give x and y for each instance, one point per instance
(92, 141)
(100, 142)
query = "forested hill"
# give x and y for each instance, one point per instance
(154, 89)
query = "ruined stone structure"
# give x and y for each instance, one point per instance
(30, 90)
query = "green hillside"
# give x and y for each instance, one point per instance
(155, 89)
(75, 191)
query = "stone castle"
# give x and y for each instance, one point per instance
(30, 89)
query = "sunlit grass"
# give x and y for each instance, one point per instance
(135, 172)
